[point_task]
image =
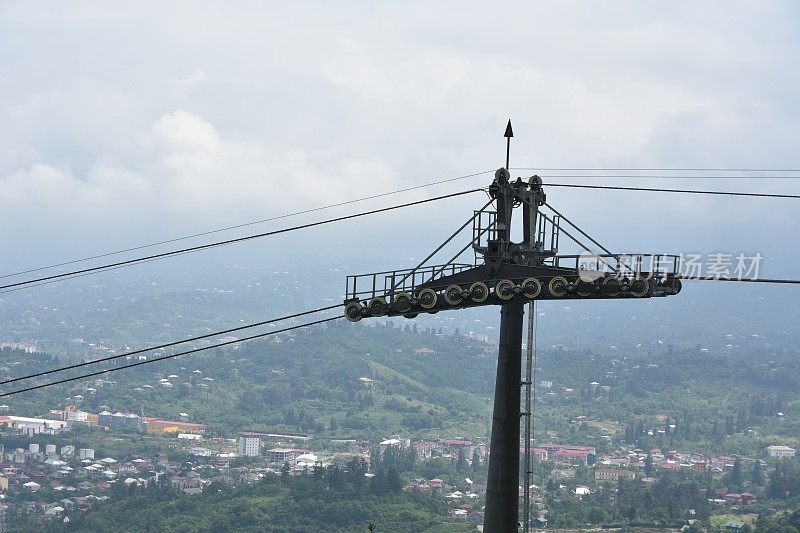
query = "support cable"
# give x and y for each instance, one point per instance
(167, 345)
(243, 225)
(744, 280)
(197, 248)
(568, 221)
(171, 356)
(445, 243)
(683, 191)
(553, 169)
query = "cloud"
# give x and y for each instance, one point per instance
(283, 108)
(197, 77)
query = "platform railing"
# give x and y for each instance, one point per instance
(388, 283)
(624, 265)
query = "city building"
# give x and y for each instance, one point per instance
(282, 455)
(249, 444)
(86, 453)
(613, 474)
(158, 425)
(780, 451)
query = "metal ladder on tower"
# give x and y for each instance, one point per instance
(530, 365)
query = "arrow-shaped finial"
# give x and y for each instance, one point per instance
(508, 134)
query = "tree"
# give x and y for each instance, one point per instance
(757, 476)
(777, 488)
(736, 477)
(476, 461)
(596, 515)
(648, 465)
(334, 425)
(393, 482)
(379, 484)
(461, 462)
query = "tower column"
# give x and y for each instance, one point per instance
(502, 490)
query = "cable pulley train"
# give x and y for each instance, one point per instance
(504, 271)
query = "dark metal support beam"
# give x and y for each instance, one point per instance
(502, 491)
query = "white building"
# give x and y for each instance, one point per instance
(33, 426)
(78, 416)
(249, 444)
(780, 451)
(86, 453)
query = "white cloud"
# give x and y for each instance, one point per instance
(208, 116)
(196, 77)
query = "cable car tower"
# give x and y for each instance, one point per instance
(510, 274)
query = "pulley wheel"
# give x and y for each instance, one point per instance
(377, 307)
(640, 287)
(452, 295)
(504, 289)
(478, 292)
(558, 286)
(584, 288)
(611, 287)
(427, 298)
(402, 302)
(531, 288)
(353, 311)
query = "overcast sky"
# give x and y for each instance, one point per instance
(128, 122)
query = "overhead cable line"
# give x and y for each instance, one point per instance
(554, 169)
(244, 225)
(744, 280)
(683, 191)
(233, 241)
(71, 276)
(167, 345)
(664, 177)
(171, 356)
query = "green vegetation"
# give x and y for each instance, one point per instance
(331, 500)
(424, 385)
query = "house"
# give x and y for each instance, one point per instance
(569, 453)
(454, 446)
(780, 451)
(562, 473)
(734, 526)
(282, 455)
(424, 449)
(613, 474)
(32, 486)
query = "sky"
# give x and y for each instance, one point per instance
(122, 124)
